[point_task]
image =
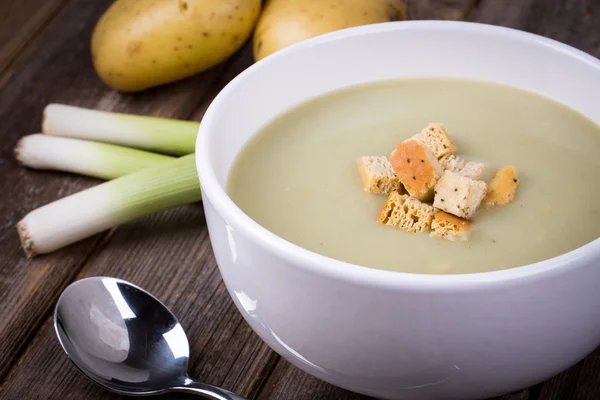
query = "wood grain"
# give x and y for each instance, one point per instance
(168, 254)
(60, 70)
(575, 22)
(581, 382)
(20, 23)
(439, 9)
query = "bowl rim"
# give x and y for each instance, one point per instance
(354, 273)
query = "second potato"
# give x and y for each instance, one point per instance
(285, 22)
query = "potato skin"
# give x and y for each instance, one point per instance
(285, 22)
(138, 44)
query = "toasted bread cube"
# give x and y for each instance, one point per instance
(417, 169)
(452, 162)
(473, 170)
(417, 216)
(391, 212)
(435, 137)
(377, 175)
(456, 164)
(459, 195)
(406, 213)
(450, 227)
(502, 188)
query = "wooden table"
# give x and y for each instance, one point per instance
(45, 57)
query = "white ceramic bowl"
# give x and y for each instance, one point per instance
(395, 335)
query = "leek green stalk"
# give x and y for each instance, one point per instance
(98, 160)
(83, 214)
(161, 135)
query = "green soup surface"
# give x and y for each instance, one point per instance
(298, 176)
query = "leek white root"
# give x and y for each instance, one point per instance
(161, 135)
(102, 207)
(98, 160)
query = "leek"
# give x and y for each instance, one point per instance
(102, 207)
(98, 160)
(161, 135)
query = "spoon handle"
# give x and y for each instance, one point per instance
(206, 391)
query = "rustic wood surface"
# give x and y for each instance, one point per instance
(20, 23)
(44, 57)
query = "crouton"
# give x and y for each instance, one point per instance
(417, 216)
(377, 175)
(473, 170)
(417, 169)
(390, 213)
(452, 163)
(503, 187)
(459, 195)
(450, 227)
(456, 164)
(435, 137)
(406, 213)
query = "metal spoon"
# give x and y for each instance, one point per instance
(126, 340)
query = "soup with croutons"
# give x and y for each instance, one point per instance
(432, 176)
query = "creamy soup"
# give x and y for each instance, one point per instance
(298, 176)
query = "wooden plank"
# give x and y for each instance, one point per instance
(223, 359)
(439, 9)
(20, 22)
(575, 22)
(59, 70)
(224, 350)
(578, 383)
(168, 254)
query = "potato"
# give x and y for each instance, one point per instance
(285, 22)
(139, 44)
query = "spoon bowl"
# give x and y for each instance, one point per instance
(126, 340)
